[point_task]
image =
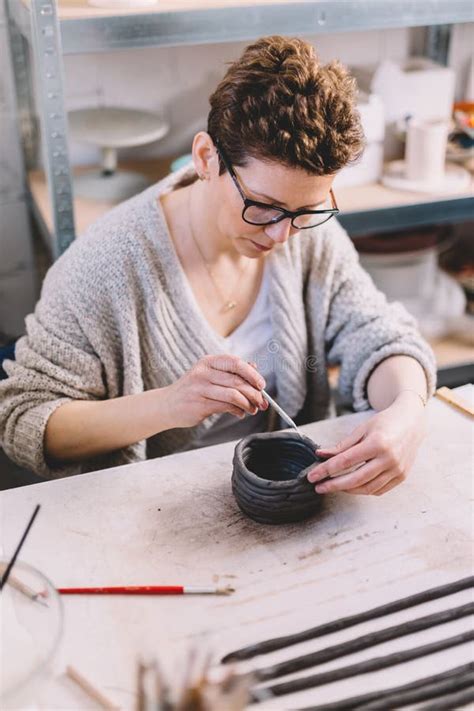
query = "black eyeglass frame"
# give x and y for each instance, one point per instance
(248, 202)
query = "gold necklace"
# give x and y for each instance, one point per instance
(228, 302)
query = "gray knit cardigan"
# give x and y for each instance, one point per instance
(117, 316)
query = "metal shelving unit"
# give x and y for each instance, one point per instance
(38, 30)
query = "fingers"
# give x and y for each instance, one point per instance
(224, 383)
(380, 485)
(218, 407)
(348, 482)
(234, 364)
(343, 462)
(354, 438)
(231, 397)
(232, 380)
(391, 485)
(371, 482)
(372, 460)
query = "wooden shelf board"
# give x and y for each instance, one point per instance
(376, 196)
(81, 10)
(86, 211)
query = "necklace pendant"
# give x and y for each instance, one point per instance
(230, 305)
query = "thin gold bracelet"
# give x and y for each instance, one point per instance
(408, 390)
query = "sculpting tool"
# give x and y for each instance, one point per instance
(281, 412)
(147, 590)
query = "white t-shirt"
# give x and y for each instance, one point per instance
(251, 341)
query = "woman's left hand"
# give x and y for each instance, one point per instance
(378, 454)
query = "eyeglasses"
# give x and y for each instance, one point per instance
(262, 213)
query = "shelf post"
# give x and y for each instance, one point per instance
(21, 72)
(47, 53)
(437, 43)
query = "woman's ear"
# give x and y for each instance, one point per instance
(205, 157)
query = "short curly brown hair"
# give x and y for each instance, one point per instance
(277, 102)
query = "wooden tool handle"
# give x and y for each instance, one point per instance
(448, 396)
(90, 690)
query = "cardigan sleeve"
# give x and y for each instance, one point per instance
(54, 363)
(362, 328)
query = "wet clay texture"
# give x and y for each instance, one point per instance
(269, 477)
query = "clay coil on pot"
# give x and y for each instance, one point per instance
(269, 477)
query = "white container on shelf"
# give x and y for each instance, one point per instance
(368, 168)
(425, 152)
(416, 87)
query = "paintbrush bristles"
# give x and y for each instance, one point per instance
(228, 590)
(152, 691)
(197, 692)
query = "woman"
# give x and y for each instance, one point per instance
(158, 329)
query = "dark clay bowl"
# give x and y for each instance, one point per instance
(269, 477)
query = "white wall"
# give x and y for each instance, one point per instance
(461, 58)
(178, 80)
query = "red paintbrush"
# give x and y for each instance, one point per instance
(147, 590)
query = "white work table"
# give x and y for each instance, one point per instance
(174, 521)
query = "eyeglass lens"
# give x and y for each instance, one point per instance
(258, 215)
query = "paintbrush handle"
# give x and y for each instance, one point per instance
(146, 590)
(90, 690)
(125, 590)
(10, 565)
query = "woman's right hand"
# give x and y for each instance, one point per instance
(215, 384)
